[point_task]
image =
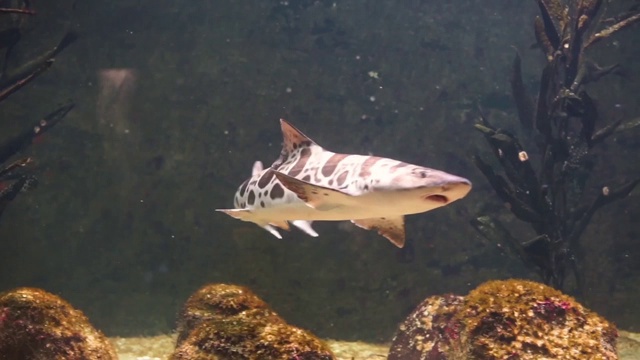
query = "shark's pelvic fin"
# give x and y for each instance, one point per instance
(318, 197)
(305, 226)
(390, 227)
(273, 231)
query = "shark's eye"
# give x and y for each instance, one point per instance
(423, 174)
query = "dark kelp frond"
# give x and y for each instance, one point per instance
(565, 126)
(13, 180)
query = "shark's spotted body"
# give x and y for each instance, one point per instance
(310, 183)
(262, 190)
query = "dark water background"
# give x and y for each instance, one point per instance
(176, 100)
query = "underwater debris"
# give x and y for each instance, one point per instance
(229, 321)
(12, 181)
(506, 319)
(562, 124)
(35, 324)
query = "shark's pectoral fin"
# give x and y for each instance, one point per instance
(390, 227)
(318, 197)
(305, 226)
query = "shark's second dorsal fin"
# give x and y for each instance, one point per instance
(292, 140)
(257, 168)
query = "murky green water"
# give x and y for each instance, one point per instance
(175, 101)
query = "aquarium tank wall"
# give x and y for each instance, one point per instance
(162, 108)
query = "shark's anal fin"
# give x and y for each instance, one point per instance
(305, 226)
(390, 227)
(318, 197)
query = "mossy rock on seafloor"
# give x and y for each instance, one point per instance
(222, 321)
(511, 319)
(37, 325)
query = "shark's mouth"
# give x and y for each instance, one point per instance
(441, 199)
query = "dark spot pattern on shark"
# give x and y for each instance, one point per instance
(252, 198)
(243, 187)
(277, 192)
(331, 164)
(265, 179)
(342, 178)
(365, 169)
(298, 166)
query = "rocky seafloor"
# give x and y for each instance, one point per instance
(160, 348)
(498, 320)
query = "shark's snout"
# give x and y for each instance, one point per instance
(449, 189)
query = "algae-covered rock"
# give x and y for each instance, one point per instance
(220, 302)
(37, 325)
(222, 321)
(429, 331)
(512, 319)
(516, 319)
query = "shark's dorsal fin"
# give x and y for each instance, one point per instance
(292, 139)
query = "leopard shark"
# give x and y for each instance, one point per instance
(309, 183)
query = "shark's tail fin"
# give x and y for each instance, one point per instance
(248, 215)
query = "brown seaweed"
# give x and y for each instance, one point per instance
(13, 178)
(564, 123)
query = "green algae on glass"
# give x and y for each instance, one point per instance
(507, 319)
(37, 325)
(221, 321)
